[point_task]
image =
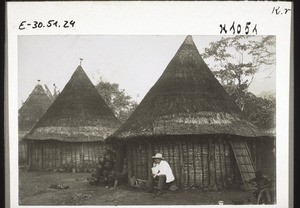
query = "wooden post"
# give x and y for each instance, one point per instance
(211, 164)
(81, 155)
(129, 161)
(174, 162)
(221, 162)
(138, 161)
(194, 164)
(188, 161)
(229, 163)
(74, 147)
(218, 165)
(41, 159)
(162, 149)
(181, 172)
(52, 155)
(150, 152)
(28, 155)
(202, 163)
(72, 159)
(89, 152)
(118, 158)
(254, 155)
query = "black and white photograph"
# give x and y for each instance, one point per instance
(112, 119)
(208, 118)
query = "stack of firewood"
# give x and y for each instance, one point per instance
(105, 171)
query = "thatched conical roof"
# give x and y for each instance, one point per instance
(186, 100)
(78, 114)
(32, 110)
(48, 92)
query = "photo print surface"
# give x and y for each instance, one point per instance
(148, 103)
(94, 110)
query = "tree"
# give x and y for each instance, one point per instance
(237, 59)
(260, 111)
(121, 104)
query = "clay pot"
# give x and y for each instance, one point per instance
(108, 158)
(101, 160)
(108, 166)
(105, 173)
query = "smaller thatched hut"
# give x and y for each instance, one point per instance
(71, 134)
(31, 111)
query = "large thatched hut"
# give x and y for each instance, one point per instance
(71, 134)
(31, 111)
(189, 118)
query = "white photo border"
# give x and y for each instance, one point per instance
(152, 18)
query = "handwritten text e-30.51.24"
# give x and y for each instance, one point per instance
(51, 23)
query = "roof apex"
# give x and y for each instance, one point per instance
(187, 99)
(78, 114)
(189, 40)
(79, 68)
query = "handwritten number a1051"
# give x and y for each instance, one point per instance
(238, 28)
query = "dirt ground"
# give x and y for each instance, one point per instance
(34, 190)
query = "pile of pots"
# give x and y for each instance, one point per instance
(105, 171)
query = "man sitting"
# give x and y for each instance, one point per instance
(162, 172)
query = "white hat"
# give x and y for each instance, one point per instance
(158, 156)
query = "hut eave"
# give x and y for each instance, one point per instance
(71, 134)
(190, 124)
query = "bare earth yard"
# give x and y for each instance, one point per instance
(34, 190)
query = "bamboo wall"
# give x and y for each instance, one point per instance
(22, 151)
(194, 162)
(51, 155)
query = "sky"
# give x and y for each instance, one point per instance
(134, 62)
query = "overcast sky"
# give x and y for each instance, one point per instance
(134, 62)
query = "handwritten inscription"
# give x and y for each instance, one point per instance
(234, 28)
(51, 23)
(279, 11)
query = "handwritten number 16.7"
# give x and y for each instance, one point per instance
(278, 10)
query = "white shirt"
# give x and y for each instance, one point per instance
(163, 168)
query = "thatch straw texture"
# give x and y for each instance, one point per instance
(49, 93)
(78, 114)
(32, 110)
(270, 132)
(186, 99)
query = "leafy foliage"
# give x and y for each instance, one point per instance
(260, 111)
(116, 98)
(237, 60)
